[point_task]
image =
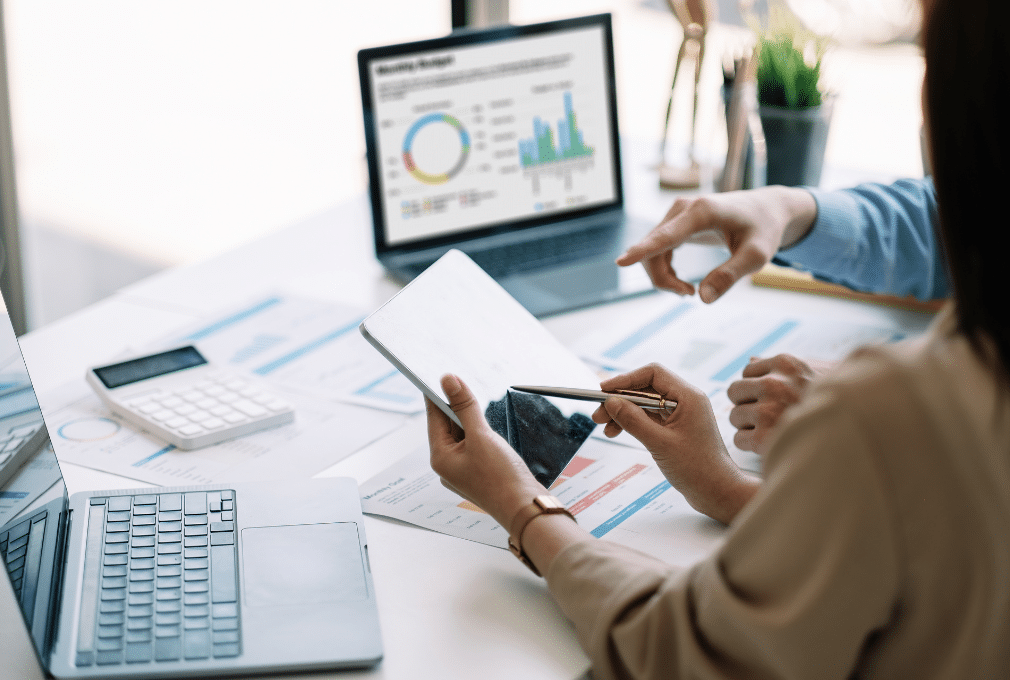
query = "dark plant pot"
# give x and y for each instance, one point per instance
(795, 141)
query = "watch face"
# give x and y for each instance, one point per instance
(548, 503)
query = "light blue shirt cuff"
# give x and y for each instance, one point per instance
(831, 236)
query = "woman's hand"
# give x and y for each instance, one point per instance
(768, 387)
(685, 443)
(753, 224)
(479, 465)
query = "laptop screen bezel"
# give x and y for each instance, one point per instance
(468, 38)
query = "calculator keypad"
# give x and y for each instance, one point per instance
(218, 402)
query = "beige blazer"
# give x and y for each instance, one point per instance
(878, 547)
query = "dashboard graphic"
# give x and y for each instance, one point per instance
(408, 142)
(490, 133)
(541, 155)
(541, 149)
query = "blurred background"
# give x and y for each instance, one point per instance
(156, 134)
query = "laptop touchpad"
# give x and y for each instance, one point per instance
(302, 564)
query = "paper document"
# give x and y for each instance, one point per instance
(87, 433)
(709, 345)
(310, 346)
(615, 492)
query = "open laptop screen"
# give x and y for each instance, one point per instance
(32, 495)
(511, 126)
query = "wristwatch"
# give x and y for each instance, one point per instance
(541, 505)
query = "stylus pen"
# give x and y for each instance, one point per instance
(650, 400)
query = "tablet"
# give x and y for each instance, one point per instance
(454, 318)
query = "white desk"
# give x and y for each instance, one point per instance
(449, 608)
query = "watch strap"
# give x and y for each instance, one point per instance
(541, 505)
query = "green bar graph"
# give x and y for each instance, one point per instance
(543, 148)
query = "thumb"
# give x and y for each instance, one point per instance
(462, 402)
(634, 421)
(745, 261)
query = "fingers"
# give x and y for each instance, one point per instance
(655, 251)
(462, 402)
(684, 218)
(744, 391)
(745, 259)
(661, 272)
(654, 376)
(747, 440)
(634, 420)
(750, 428)
(758, 367)
(600, 416)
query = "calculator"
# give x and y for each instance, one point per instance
(18, 444)
(186, 400)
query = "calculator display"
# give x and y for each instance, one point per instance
(135, 370)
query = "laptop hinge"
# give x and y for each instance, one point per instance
(59, 574)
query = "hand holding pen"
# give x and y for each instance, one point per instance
(685, 442)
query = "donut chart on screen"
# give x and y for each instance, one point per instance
(408, 141)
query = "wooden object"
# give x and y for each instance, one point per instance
(773, 276)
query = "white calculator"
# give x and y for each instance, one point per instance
(181, 397)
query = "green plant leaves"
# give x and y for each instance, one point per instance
(784, 78)
(789, 59)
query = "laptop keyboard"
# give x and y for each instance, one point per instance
(160, 579)
(21, 547)
(501, 261)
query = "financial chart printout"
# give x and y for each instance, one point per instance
(491, 133)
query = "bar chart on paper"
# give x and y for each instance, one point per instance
(614, 491)
(308, 350)
(310, 346)
(88, 434)
(710, 345)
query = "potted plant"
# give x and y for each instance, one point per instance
(795, 114)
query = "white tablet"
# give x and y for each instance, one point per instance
(454, 318)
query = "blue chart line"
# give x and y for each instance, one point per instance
(631, 509)
(261, 343)
(302, 351)
(645, 331)
(370, 391)
(760, 346)
(234, 318)
(144, 461)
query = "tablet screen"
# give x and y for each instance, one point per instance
(454, 318)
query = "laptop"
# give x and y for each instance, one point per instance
(229, 579)
(22, 432)
(503, 143)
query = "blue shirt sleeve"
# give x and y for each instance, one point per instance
(875, 238)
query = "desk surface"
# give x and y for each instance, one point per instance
(449, 608)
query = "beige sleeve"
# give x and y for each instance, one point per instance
(808, 572)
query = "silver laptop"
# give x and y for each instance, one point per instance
(192, 581)
(503, 143)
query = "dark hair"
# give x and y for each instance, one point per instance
(966, 88)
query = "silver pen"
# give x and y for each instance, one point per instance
(643, 398)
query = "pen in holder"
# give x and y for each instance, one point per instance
(746, 154)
